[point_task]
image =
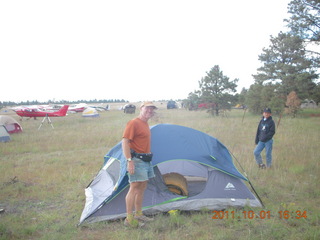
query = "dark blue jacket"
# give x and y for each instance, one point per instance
(266, 130)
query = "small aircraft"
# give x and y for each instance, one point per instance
(80, 107)
(35, 112)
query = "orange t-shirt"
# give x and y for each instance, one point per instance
(138, 132)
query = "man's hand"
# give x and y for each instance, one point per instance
(130, 167)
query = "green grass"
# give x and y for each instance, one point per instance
(43, 174)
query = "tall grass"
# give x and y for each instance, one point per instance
(44, 173)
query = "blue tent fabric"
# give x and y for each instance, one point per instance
(174, 142)
(175, 149)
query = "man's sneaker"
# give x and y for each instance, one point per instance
(134, 223)
(262, 166)
(143, 218)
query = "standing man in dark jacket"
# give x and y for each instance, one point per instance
(266, 130)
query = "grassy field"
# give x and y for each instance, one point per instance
(43, 174)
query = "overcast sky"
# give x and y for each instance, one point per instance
(129, 49)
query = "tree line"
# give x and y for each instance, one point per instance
(288, 69)
(35, 102)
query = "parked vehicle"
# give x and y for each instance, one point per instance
(129, 108)
(171, 104)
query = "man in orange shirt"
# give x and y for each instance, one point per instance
(136, 148)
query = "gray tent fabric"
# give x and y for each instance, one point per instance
(4, 135)
(219, 191)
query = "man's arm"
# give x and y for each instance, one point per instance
(127, 154)
(126, 147)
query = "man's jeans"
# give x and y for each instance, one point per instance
(258, 150)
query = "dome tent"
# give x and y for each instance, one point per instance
(10, 124)
(213, 181)
(90, 112)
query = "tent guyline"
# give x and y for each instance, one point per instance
(244, 172)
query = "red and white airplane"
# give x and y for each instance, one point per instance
(35, 112)
(75, 108)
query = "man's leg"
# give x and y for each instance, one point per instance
(138, 204)
(131, 199)
(257, 152)
(139, 195)
(269, 145)
(133, 196)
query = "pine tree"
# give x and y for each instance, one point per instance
(305, 19)
(285, 62)
(216, 89)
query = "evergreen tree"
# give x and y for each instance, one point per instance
(285, 62)
(191, 103)
(316, 93)
(253, 98)
(261, 96)
(305, 19)
(242, 96)
(216, 89)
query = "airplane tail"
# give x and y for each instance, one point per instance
(63, 111)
